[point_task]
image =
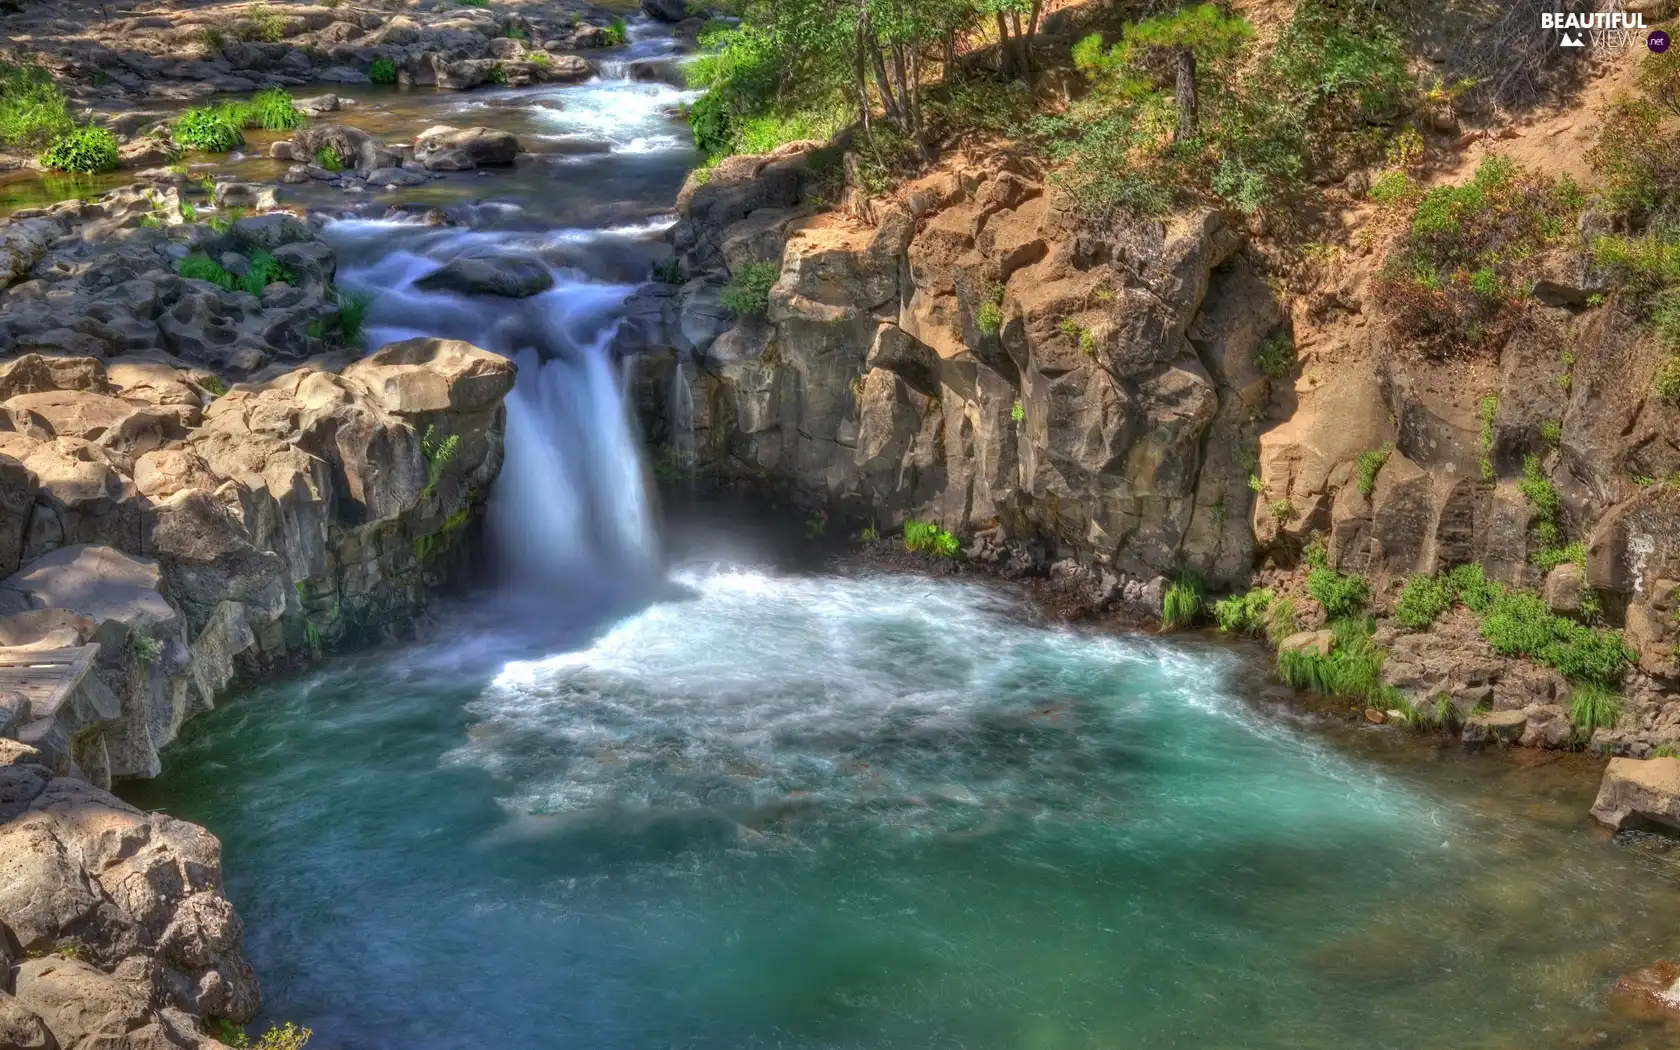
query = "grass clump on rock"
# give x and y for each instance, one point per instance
(383, 71)
(1352, 668)
(1341, 595)
(204, 268)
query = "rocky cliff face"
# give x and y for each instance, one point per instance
(163, 534)
(966, 352)
(966, 355)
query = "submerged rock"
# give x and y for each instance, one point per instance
(510, 276)
(483, 145)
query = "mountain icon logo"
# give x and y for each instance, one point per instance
(1571, 40)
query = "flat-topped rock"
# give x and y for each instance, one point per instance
(98, 582)
(509, 276)
(1639, 793)
(417, 376)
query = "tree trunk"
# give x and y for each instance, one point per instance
(1006, 55)
(1186, 95)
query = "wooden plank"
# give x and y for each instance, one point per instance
(45, 678)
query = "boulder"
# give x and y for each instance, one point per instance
(1318, 642)
(1639, 793)
(22, 1028)
(22, 244)
(486, 146)
(1652, 991)
(421, 376)
(104, 585)
(509, 276)
(1564, 587)
(1495, 726)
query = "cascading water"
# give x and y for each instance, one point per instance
(571, 508)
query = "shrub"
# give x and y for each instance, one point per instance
(328, 158)
(1245, 613)
(1423, 600)
(1636, 158)
(1521, 625)
(33, 111)
(204, 268)
(212, 129)
(924, 537)
(1341, 595)
(1551, 432)
(615, 33)
(1550, 558)
(1592, 706)
(1182, 602)
(383, 71)
(1472, 587)
(1276, 356)
(1017, 412)
(1369, 464)
(539, 58)
(1443, 284)
(748, 291)
(1646, 262)
(87, 150)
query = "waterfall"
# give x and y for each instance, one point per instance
(682, 444)
(571, 509)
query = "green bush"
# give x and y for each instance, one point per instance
(1394, 187)
(1521, 625)
(1246, 613)
(87, 150)
(1423, 600)
(1369, 464)
(924, 537)
(383, 71)
(212, 129)
(1473, 588)
(615, 33)
(328, 158)
(262, 23)
(748, 291)
(204, 268)
(33, 111)
(1550, 558)
(1182, 602)
(1341, 595)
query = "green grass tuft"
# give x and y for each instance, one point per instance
(211, 129)
(352, 313)
(1369, 464)
(1182, 603)
(1593, 706)
(1246, 613)
(383, 71)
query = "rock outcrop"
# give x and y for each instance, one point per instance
(1640, 793)
(965, 355)
(122, 934)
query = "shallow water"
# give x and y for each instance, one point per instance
(812, 811)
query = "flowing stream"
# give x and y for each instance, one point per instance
(768, 808)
